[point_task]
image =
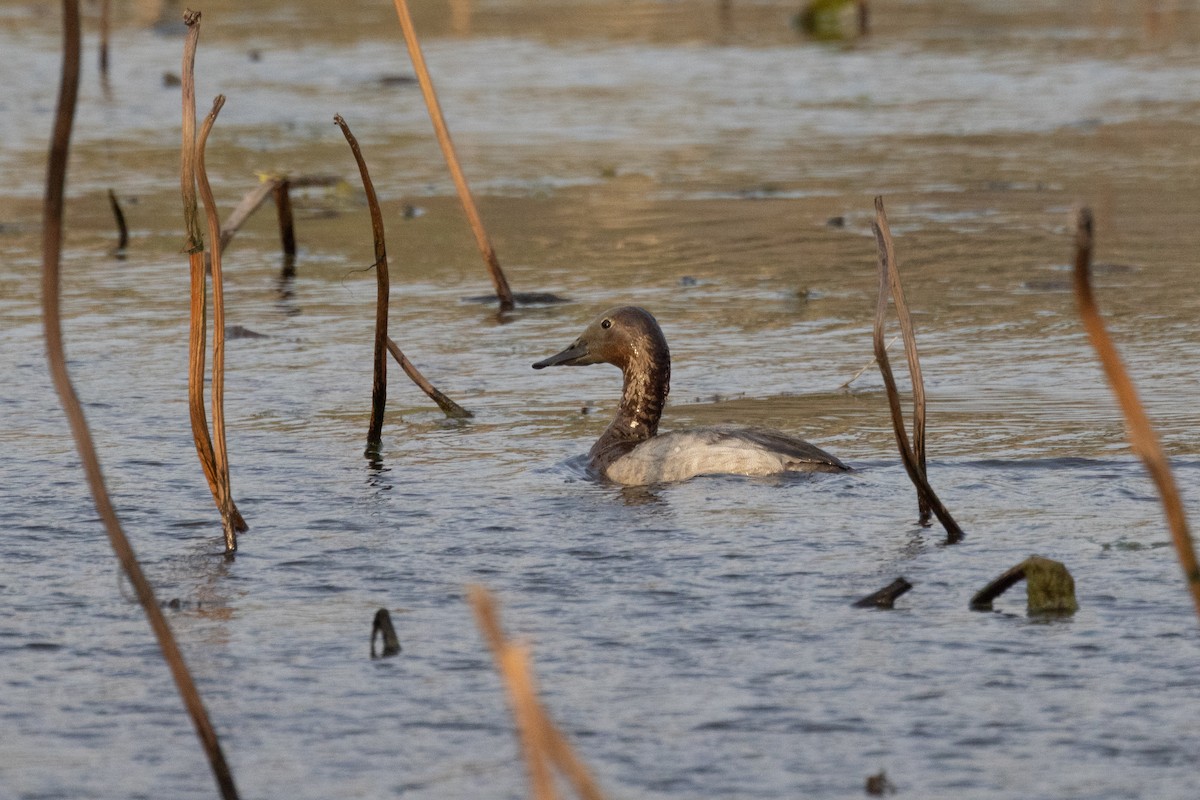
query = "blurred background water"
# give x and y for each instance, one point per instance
(710, 163)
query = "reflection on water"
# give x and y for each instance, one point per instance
(694, 640)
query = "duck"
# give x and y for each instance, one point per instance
(632, 452)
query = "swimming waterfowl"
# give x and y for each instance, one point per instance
(632, 452)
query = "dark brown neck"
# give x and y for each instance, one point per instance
(647, 382)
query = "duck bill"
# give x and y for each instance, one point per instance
(575, 355)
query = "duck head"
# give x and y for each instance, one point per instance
(623, 336)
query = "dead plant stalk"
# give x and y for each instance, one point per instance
(1142, 438)
(492, 262)
(52, 225)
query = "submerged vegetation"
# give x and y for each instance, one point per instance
(549, 759)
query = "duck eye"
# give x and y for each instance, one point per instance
(606, 324)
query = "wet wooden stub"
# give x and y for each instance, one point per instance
(1049, 587)
(542, 743)
(382, 627)
(1142, 438)
(52, 228)
(450, 408)
(885, 597)
(889, 281)
(491, 261)
(122, 228)
(878, 785)
(382, 292)
(287, 228)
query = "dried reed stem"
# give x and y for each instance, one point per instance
(52, 225)
(122, 229)
(283, 210)
(910, 350)
(449, 407)
(194, 247)
(1142, 437)
(242, 211)
(916, 474)
(230, 518)
(503, 292)
(541, 740)
(382, 289)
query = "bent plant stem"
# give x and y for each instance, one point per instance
(379, 385)
(449, 407)
(56, 357)
(231, 519)
(122, 228)
(910, 350)
(541, 740)
(503, 292)
(954, 533)
(1142, 438)
(194, 247)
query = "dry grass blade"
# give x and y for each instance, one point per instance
(230, 518)
(449, 407)
(910, 348)
(52, 225)
(1142, 437)
(541, 740)
(379, 385)
(954, 533)
(503, 292)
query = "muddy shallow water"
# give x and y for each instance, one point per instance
(694, 640)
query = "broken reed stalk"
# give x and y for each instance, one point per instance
(287, 228)
(194, 247)
(503, 292)
(1142, 438)
(382, 289)
(242, 211)
(122, 229)
(231, 520)
(541, 740)
(910, 350)
(449, 407)
(52, 225)
(916, 474)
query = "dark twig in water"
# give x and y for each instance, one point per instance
(383, 627)
(449, 407)
(1050, 589)
(1140, 432)
(542, 743)
(910, 347)
(230, 518)
(379, 386)
(916, 474)
(105, 16)
(503, 292)
(287, 228)
(122, 230)
(885, 597)
(52, 224)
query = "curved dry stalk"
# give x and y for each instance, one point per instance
(503, 292)
(541, 740)
(52, 225)
(1142, 438)
(194, 247)
(449, 407)
(954, 533)
(910, 348)
(379, 386)
(122, 228)
(231, 519)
